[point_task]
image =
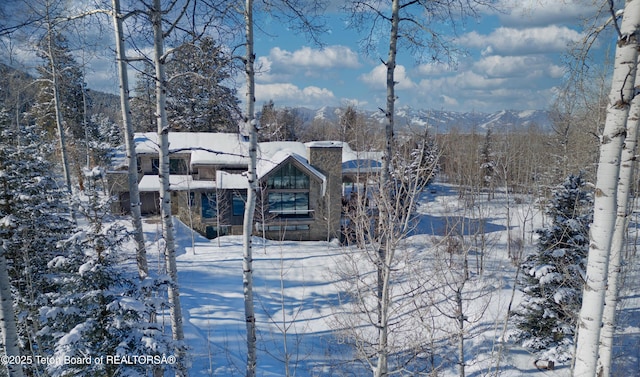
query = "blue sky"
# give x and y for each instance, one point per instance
(513, 60)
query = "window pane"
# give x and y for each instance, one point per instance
(275, 182)
(155, 165)
(289, 204)
(302, 202)
(209, 205)
(177, 166)
(288, 177)
(238, 204)
(302, 181)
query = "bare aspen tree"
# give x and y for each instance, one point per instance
(378, 305)
(159, 59)
(302, 12)
(7, 319)
(49, 20)
(132, 173)
(410, 13)
(625, 186)
(250, 205)
(385, 251)
(457, 286)
(606, 193)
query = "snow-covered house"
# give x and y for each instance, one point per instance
(300, 195)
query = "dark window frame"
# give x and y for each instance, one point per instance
(237, 198)
(289, 192)
(289, 204)
(177, 166)
(208, 205)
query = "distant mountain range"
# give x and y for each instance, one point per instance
(442, 121)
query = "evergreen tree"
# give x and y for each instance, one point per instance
(488, 163)
(278, 125)
(104, 136)
(197, 97)
(349, 125)
(98, 308)
(143, 102)
(34, 217)
(268, 121)
(418, 159)
(553, 275)
(71, 84)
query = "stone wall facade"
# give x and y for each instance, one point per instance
(326, 157)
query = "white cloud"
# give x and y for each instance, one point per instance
(431, 69)
(377, 78)
(469, 80)
(468, 90)
(354, 102)
(315, 92)
(282, 65)
(449, 102)
(287, 93)
(328, 57)
(496, 66)
(527, 13)
(264, 73)
(511, 41)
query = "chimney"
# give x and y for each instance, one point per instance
(326, 157)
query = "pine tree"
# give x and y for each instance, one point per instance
(278, 125)
(143, 102)
(103, 138)
(417, 158)
(71, 84)
(99, 309)
(268, 120)
(553, 275)
(488, 163)
(197, 98)
(349, 125)
(34, 214)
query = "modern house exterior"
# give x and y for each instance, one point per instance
(300, 191)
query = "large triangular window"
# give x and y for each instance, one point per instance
(288, 192)
(288, 176)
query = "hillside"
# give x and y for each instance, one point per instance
(439, 120)
(17, 89)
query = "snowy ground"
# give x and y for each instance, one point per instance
(298, 296)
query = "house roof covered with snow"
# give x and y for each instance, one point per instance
(230, 181)
(208, 148)
(151, 183)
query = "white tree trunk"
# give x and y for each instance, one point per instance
(134, 193)
(605, 201)
(56, 104)
(460, 319)
(625, 184)
(391, 95)
(165, 195)
(386, 252)
(250, 205)
(7, 318)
